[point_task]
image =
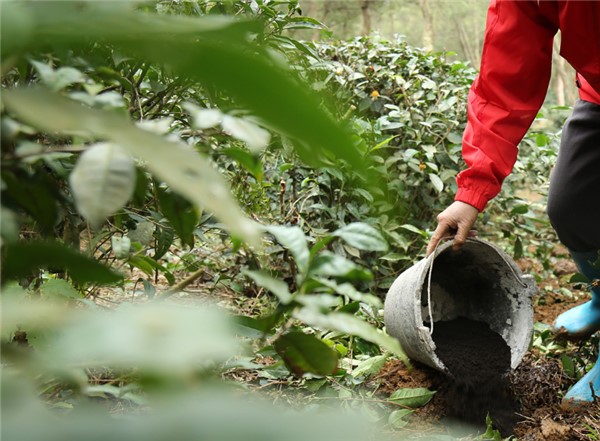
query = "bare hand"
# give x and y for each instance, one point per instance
(456, 220)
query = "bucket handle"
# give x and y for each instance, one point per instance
(430, 260)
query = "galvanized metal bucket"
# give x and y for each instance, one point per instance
(479, 281)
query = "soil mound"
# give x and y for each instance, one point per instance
(479, 363)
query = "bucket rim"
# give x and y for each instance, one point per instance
(516, 271)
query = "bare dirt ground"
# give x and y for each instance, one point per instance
(538, 383)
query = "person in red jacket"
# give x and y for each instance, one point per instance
(503, 101)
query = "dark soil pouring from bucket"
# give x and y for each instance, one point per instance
(479, 362)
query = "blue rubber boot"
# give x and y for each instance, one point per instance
(582, 321)
(584, 391)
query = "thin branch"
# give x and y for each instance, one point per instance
(178, 287)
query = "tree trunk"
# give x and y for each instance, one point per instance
(392, 16)
(469, 46)
(563, 77)
(309, 9)
(427, 25)
(365, 6)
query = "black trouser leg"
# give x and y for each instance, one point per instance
(574, 197)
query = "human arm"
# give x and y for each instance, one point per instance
(503, 101)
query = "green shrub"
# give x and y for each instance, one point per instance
(407, 111)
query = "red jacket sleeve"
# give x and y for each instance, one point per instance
(506, 95)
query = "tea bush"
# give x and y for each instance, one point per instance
(86, 88)
(230, 143)
(408, 108)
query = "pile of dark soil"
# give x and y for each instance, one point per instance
(539, 383)
(478, 360)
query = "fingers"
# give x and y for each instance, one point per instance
(440, 232)
(460, 238)
(456, 220)
(432, 244)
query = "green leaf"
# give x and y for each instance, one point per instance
(568, 365)
(362, 236)
(454, 138)
(347, 289)
(64, 23)
(579, 278)
(121, 246)
(182, 216)
(272, 94)
(249, 327)
(350, 308)
(320, 244)
(203, 118)
(265, 324)
(333, 265)
(412, 397)
(60, 78)
(303, 353)
(520, 209)
(20, 310)
(23, 259)
(243, 129)
(275, 286)
(164, 239)
(149, 265)
(254, 136)
(308, 22)
(149, 289)
(141, 188)
(518, 249)
(370, 366)
(437, 182)
(394, 257)
(397, 418)
(59, 288)
(142, 263)
(305, 48)
(414, 229)
(34, 194)
(154, 337)
(184, 170)
(294, 240)
(9, 226)
(351, 325)
(542, 140)
(490, 434)
(109, 391)
(249, 161)
(213, 50)
(382, 144)
(315, 385)
(321, 301)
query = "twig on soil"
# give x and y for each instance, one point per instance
(273, 383)
(178, 287)
(366, 400)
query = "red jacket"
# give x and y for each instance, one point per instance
(513, 81)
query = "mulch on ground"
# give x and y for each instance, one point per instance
(538, 383)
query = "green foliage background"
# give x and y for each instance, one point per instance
(311, 172)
